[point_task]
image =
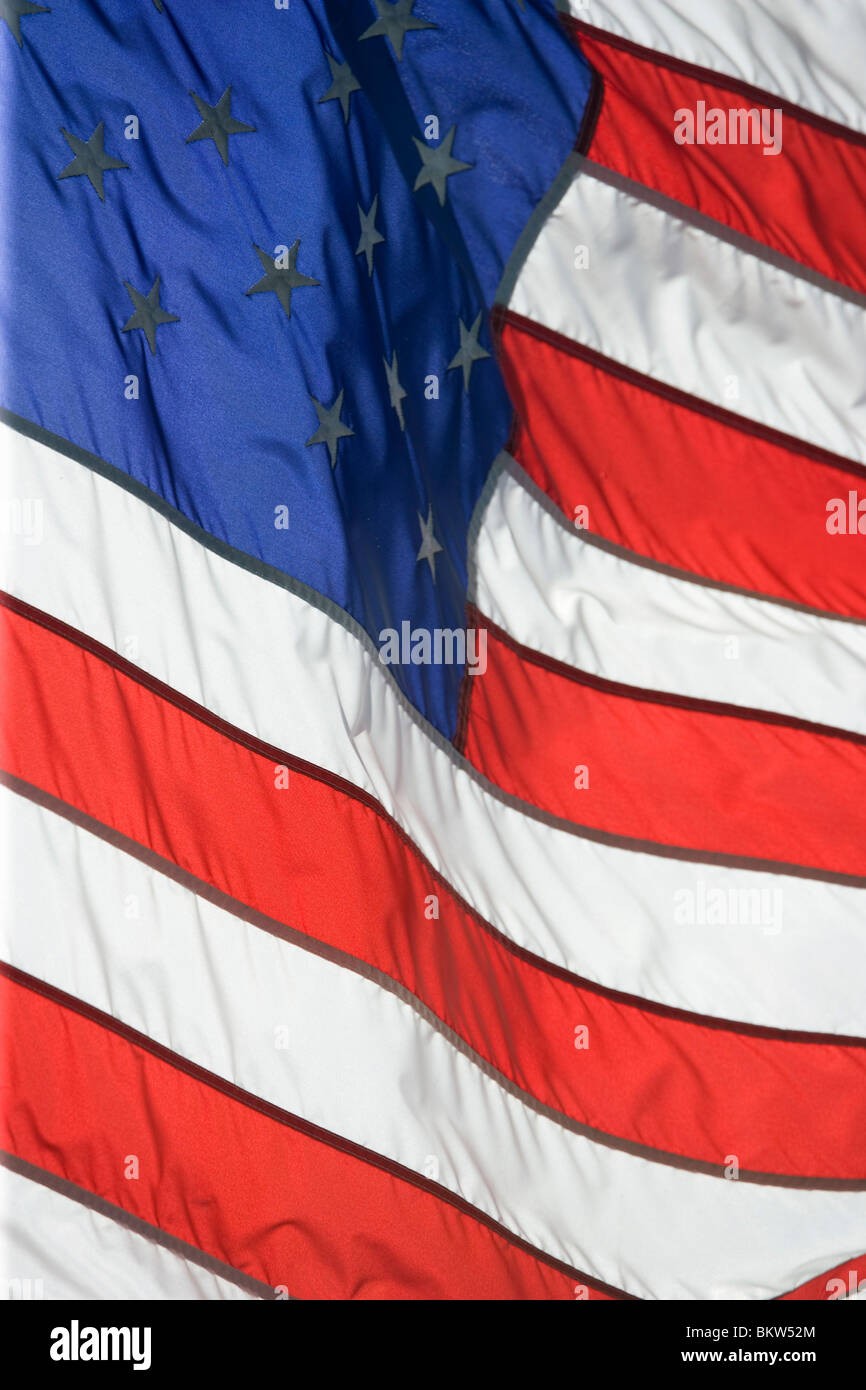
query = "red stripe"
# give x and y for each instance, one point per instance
(755, 96)
(329, 866)
(678, 486)
(662, 772)
(808, 202)
(836, 1283)
(266, 1197)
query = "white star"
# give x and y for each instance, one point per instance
(395, 390)
(470, 352)
(430, 547)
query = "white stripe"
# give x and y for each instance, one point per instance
(362, 1063)
(557, 593)
(115, 569)
(676, 303)
(52, 1247)
(809, 53)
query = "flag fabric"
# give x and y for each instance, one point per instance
(433, 642)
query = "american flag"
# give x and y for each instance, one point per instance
(433, 505)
